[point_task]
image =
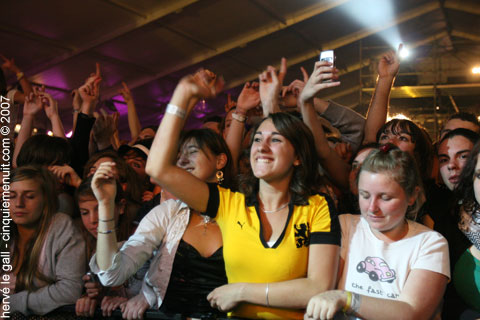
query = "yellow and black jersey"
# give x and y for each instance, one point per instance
(248, 258)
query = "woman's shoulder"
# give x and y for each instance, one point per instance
(424, 234)
(61, 219)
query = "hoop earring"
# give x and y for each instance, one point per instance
(219, 176)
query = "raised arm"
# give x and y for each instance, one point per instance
(9, 64)
(377, 112)
(51, 110)
(133, 121)
(161, 160)
(248, 99)
(33, 104)
(337, 168)
(104, 188)
(270, 87)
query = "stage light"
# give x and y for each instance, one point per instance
(476, 70)
(50, 133)
(69, 135)
(404, 53)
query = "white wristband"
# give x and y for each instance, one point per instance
(173, 109)
(239, 117)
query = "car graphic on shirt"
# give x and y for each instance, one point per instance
(377, 269)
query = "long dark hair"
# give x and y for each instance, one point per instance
(464, 192)
(209, 139)
(305, 178)
(41, 149)
(423, 151)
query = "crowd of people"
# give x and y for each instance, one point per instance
(288, 207)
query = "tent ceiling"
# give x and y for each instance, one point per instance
(151, 44)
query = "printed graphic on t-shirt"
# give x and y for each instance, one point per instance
(377, 269)
(302, 235)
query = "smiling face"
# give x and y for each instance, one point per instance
(202, 163)
(383, 203)
(452, 157)
(272, 156)
(26, 202)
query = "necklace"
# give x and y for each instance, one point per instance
(276, 210)
(205, 221)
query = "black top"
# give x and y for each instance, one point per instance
(193, 278)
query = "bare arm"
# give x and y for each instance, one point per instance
(33, 104)
(10, 65)
(420, 299)
(248, 99)
(133, 121)
(337, 168)
(377, 111)
(322, 271)
(161, 160)
(51, 110)
(270, 87)
(105, 188)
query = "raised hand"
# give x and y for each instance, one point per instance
(322, 71)
(389, 64)
(125, 92)
(270, 86)
(203, 85)
(94, 77)
(9, 64)
(249, 98)
(66, 174)
(90, 92)
(50, 106)
(34, 102)
(104, 185)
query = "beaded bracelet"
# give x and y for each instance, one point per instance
(106, 232)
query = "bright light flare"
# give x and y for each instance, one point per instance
(397, 116)
(404, 53)
(376, 15)
(69, 135)
(476, 70)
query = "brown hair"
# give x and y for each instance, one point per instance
(305, 179)
(29, 265)
(401, 167)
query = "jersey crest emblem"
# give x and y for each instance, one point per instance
(302, 235)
